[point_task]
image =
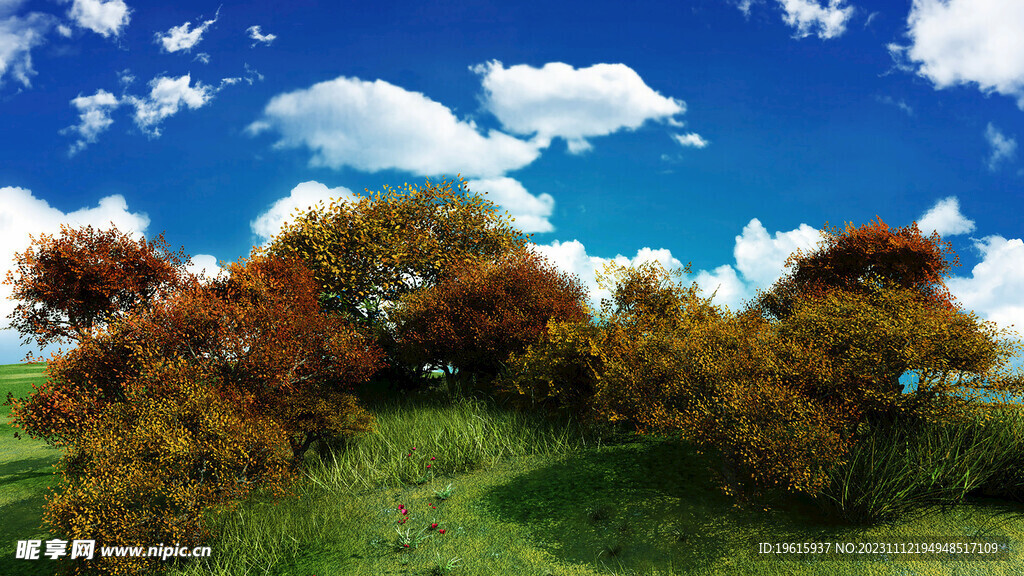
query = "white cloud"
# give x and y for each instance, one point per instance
(955, 42)
(531, 212)
(22, 214)
(166, 97)
(93, 118)
(811, 17)
(995, 286)
(945, 218)
(744, 6)
(575, 104)
(761, 258)
(18, 36)
(759, 261)
(104, 17)
(373, 126)
(259, 37)
(691, 140)
(724, 286)
(1002, 147)
(302, 197)
(572, 257)
(204, 266)
(184, 37)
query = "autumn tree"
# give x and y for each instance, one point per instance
(260, 330)
(67, 285)
(864, 256)
(480, 312)
(368, 252)
(871, 261)
(151, 468)
(192, 402)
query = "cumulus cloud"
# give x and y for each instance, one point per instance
(373, 126)
(302, 197)
(945, 218)
(531, 212)
(259, 37)
(811, 17)
(204, 266)
(18, 36)
(182, 38)
(166, 97)
(93, 118)
(1001, 147)
(559, 101)
(691, 140)
(957, 42)
(104, 17)
(759, 261)
(761, 257)
(572, 257)
(993, 290)
(22, 214)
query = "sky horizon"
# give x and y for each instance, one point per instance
(720, 133)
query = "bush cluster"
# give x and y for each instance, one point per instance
(182, 396)
(785, 390)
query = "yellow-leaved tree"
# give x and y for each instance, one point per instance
(368, 252)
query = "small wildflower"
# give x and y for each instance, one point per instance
(404, 511)
(434, 525)
(441, 531)
(413, 447)
(401, 506)
(433, 458)
(428, 465)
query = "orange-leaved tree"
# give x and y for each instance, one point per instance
(192, 402)
(858, 257)
(69, 284)
(260, 329)
(481, 312)
(876, 297)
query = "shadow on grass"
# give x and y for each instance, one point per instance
(646, 505)
(22, 520)
(24, 469)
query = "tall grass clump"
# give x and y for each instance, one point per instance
(902, 466)
(463, 435)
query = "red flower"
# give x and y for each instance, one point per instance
(441, 531)
(434, 525)
(433, 458)
(404, 511)
(428, 465)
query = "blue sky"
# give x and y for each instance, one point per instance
(721, 133)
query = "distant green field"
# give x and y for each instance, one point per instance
(26, 471)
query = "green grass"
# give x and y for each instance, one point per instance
(527, 497)
(26, 472)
